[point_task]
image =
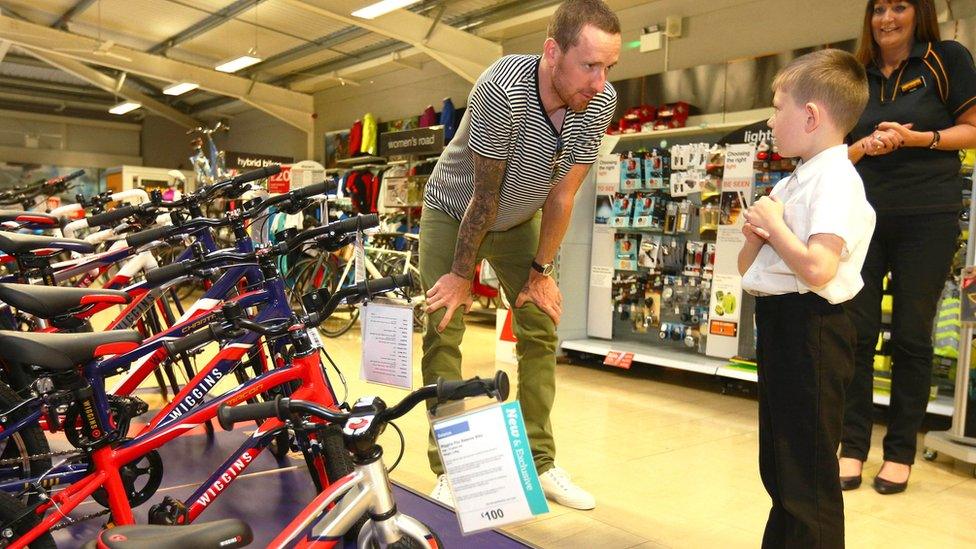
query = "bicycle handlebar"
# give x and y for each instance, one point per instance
(283, 408)
(112, 216)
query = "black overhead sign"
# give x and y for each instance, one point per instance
(241, 161)
(418, 142)
(752, 133)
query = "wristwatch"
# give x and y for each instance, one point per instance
(544, 270)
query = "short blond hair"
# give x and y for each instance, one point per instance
(830, 77)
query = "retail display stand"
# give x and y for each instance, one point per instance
(954, 442)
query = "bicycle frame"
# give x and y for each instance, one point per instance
(107, 461)
(138, 363)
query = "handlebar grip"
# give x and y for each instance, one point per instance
(145, 237)
(111, 216)
(314, 189)
(387, 283)
(65, 178)
(254, 175)
(457, 390)
(357, 223)
(74, 175)
(191, 341)
(161, 275)
(227, 416)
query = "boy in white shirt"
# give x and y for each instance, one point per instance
(805, 245)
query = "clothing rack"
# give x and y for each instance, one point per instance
(954, 442)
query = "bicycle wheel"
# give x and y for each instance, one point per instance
(10, 510)
(23, 446)
(345, 315)
(301, 280)
(407, 542)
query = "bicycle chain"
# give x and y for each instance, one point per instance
(35, 457)
(72, 521)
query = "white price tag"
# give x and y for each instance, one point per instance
(489, 467)
(313, 334)
(388, 356)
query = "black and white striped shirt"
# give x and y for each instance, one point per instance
(505, 120)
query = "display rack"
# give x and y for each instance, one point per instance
(682, 359)
(649, 355)
(954, 442)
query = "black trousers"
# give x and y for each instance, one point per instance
(918, 251)
(805, 353)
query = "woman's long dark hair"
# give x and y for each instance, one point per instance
(926, 28)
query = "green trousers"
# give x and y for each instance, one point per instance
(510, 253)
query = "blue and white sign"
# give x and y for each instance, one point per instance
(489, 467)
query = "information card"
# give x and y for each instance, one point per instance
(388, 344)
(489, 467)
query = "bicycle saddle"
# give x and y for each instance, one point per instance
(57, 351)
(17, 243)
(226, 534)
(55, 301)
(33, 218)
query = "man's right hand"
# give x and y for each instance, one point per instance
(451, 291)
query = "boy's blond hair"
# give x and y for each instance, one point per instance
(829, 77)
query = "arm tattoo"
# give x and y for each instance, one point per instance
(480, 215)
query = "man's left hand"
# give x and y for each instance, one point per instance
(542, 291)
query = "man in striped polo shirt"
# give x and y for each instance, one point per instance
(526, 141)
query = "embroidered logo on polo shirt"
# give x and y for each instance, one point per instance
(912, 85)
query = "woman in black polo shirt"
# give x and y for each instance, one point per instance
(921, 111)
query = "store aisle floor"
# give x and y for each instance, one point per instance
(672, 463)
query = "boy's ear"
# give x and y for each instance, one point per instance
(814, 117)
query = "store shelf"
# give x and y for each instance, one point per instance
(360, 160)
(687, 131)
(671, 358)
(941, 406)
(648, 354)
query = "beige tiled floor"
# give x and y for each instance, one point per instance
(672, 462)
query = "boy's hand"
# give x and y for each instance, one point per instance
(765, 214)
(754, 235)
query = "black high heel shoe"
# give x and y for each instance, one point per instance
(850, 483)
(886, 487)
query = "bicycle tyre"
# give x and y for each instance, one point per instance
(300, 278)
(338, 463)
(409, 543)
(28, 441)
(10, 509)
(345, 315)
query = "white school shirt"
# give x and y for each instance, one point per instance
(824, 195)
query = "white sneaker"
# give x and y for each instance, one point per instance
(558, 487)
(442, 492)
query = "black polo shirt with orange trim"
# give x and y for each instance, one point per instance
(935, 85)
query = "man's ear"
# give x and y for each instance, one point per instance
(550, 50)
(814, 117)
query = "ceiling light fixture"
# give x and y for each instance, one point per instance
(373, 11)
(180, 88)
(125, 107)
(238, 63)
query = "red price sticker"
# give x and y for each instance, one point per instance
(280, 182)
(619, 360)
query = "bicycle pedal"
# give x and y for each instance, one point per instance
(169, 512)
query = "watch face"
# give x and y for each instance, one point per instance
(547, 269)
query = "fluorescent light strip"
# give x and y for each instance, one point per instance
(373, 11)
(180, 88)
(124, 107)
(237, 64)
